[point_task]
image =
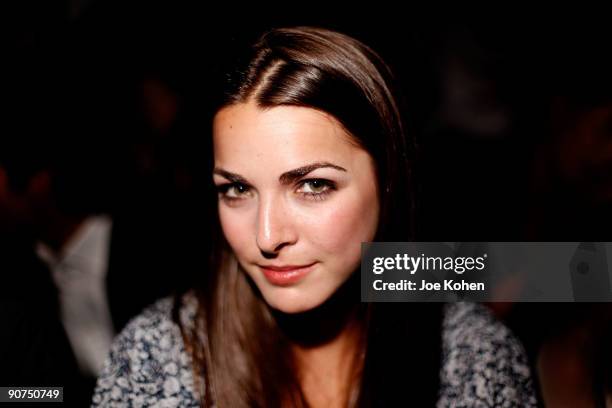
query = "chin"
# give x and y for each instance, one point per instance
(292, 303)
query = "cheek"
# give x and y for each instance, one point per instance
(339, 229)
(236, 229)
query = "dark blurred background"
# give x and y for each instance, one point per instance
(105, 129)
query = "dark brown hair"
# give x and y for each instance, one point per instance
(240, 353)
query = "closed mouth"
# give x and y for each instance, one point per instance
(285, 275)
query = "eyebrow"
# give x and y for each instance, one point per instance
(233, 177)
(295, 174)
(285, 178)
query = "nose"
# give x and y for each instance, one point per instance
(275, 227)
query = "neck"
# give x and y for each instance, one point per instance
(327, 346)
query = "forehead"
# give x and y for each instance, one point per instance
(283, 135)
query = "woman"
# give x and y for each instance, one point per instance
(310, 160)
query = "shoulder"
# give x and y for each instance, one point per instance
(484, 364)
(148, 364)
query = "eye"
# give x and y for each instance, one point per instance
(233, 191)
(316, 188)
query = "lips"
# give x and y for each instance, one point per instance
(285, 275)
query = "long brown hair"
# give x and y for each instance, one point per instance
(240, 354)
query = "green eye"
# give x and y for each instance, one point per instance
(240, 189)
(233, 190)
(316, 188)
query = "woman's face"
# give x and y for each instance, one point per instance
(296, 199)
